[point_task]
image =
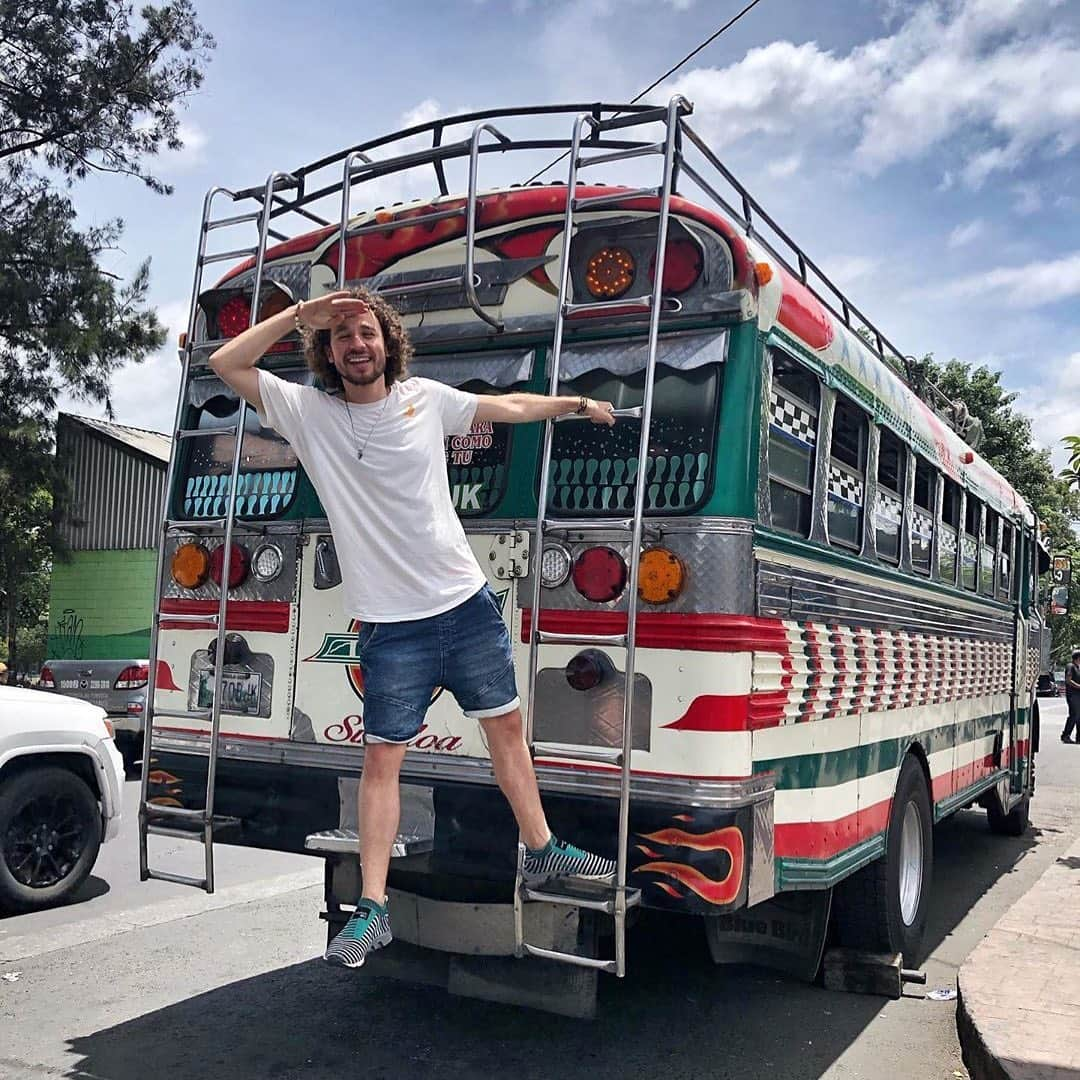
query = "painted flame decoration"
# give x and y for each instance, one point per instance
(729, 839)
(717, 840)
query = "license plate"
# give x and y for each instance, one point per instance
(239, 693)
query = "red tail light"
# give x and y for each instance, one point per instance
(600, 574)
(238, 565)
(233, 317)
(132, 677)
(47, 680)
(682, 266)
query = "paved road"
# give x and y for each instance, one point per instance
(238, 992)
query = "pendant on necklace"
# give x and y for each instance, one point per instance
(359, 455)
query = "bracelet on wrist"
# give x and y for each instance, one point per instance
(583, 406)
(300, 326)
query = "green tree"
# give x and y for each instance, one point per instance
(86, 86)
(1009, 446)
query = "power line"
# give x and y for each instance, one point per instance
(671, 71)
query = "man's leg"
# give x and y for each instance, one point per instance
(380, 808)
(380, 812)
(516, 776)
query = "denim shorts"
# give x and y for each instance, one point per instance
(465, 650)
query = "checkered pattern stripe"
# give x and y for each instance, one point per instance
(947, 543)
(922, 524)
(793, 419)
(845, 486)
(832, 670)
(889, 508)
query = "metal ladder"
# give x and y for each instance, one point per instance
(175, 821)
(615, 900)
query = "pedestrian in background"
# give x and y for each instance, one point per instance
(1072, 698)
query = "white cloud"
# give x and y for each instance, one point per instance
(1029, 286)
(984, 83)
(1054, 406)
(965, 234)
(846, 270)
(784, 167)
(1028, 198)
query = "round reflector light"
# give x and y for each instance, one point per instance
(238, 564)
(661, 576)
(190, 566)
(587, 669)
(233, 317)
(554, 566)
(609, 273)
(600, 574)
(682, 266)
(267, 562)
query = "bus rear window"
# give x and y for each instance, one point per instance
(594, 467)
(477, 462)
(268, 467)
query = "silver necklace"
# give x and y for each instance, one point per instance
(371, 431)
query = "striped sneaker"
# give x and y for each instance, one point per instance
(562, 860)
(366, 931)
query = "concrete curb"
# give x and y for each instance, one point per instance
(1018, 993)
(69, 935)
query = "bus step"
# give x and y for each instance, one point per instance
(182, 714)
(620, 155)
(547, 637)
(615, 197)
(633, 305)
(230, 256)
(175, 813)
(607, 906)
(400, 223)
(571, 958)
(176, 879)
(202, 525)
(605, 755)
(646, 116)
(588, 525)
(194, 433)
(169, 616)
(236, 219)
(591, 895)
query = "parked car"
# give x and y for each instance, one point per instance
(112, 684)
(61, 784)
(1047, 686)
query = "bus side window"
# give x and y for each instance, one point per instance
(889, 512)
(988, 552)
(950, 529)
(970, 546)
(792, 441)
(1005, 561)
(922, 516)
(847, 474)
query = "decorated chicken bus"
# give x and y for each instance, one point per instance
(836, 634)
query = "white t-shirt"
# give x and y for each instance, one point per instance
(402, 550)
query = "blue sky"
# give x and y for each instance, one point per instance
(925, 154)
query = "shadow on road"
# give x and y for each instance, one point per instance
(676, 1015)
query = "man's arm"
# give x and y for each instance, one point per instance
(1069, 680)
(235, 361)
(527, 408)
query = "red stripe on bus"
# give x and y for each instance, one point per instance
(268, 616)
(667, 630)
(164, 679)
(823, 839)
(732, 712)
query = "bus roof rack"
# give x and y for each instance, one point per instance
(313, 183)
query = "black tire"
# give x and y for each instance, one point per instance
(867, 908)
(1014, 823)
(50, 832)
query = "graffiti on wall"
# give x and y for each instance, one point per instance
(67, 643)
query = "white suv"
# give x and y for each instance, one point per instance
(61, 785)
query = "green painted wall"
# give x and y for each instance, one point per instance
(100, 605)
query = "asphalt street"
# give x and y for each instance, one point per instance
(231, 986)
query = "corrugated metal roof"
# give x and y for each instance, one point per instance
(152, 443)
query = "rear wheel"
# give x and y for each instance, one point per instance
(50, 832)
(883, 906)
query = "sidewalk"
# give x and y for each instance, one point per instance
(1018, 1012)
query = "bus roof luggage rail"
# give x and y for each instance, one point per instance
(618, 898)
(150, 814)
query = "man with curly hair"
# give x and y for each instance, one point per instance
(372, 443)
